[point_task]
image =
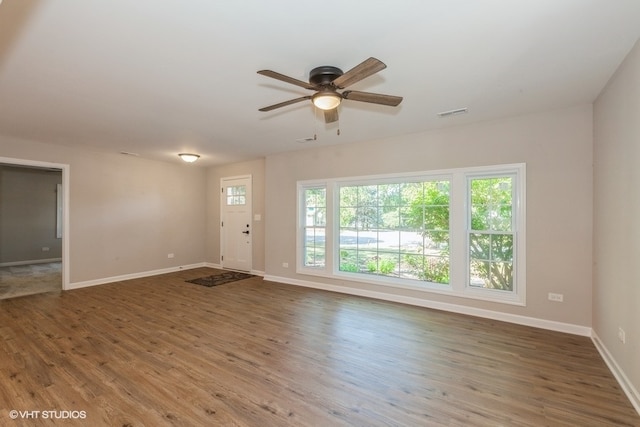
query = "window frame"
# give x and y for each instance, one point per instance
(301, 267)
(234, 197)
(458, 232)
(517, 174)
(303, 226)
(382, 180)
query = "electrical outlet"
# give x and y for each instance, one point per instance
(556, 297)
(170, 255)
(285, 264)
(45, 249)
(622, 336)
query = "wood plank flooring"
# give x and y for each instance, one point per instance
(159, 351)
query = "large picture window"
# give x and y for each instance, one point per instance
(395, 230)
(459, 231)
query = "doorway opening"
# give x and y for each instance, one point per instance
(34, 229)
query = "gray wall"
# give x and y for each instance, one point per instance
(616, 213)
(28, 214)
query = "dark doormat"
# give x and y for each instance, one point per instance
(220, 279)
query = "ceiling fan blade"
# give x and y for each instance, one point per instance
(374, 98)
(331, 116)
(363, 70)
(285, 103)
(286, 79)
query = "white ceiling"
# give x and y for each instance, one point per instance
(159, 77)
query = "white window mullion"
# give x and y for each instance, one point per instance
(458, 235)
(330, 233)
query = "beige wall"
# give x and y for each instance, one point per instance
(126, 213)
(28, 214)
(557, 149)
(254, 168)
(616, 214)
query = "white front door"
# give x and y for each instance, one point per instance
(235, 225)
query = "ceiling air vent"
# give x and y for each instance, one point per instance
(454, 112)
(305, 140)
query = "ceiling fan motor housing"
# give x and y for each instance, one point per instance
(323, 76)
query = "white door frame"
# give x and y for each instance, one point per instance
(222, 216)
(65, 168)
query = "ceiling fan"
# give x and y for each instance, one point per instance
(327, 80)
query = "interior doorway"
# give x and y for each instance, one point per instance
(236, 238)
(34, 229)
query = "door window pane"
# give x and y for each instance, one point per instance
(236, 195)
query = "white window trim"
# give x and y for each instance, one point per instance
(518, 295)
(458, 251)
(379, 279)
(300, 227)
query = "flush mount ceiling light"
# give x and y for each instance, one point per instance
(326, 99)
(188, 157)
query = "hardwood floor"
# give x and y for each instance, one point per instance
(160, 351)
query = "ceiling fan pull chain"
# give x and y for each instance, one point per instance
(315, 123)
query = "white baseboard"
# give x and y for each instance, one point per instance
(105, 280)
(618, 373)
(33, 261)
(455, 308)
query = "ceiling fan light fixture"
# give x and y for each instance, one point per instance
(189, 157)
(326, 100)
